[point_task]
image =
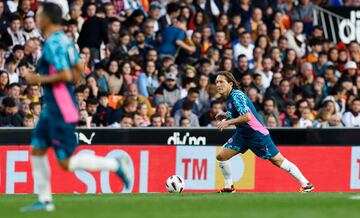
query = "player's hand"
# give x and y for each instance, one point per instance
(32, 79)
(222, 125)
(221, 116)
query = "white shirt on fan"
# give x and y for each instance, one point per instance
(350, 120)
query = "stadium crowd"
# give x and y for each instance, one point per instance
(154, 63)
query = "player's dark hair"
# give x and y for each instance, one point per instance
(53, 12)
(229, 78)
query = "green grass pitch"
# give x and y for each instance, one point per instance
(247, 205)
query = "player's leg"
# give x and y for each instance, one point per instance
(231, 148)
(40, 167)
(98, 163)
(280, 161)
(64, 135)
(223, 158)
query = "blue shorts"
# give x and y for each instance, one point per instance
(262, 146)
(53, 131)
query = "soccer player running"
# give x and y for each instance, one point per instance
(58, 67)
(250, 134)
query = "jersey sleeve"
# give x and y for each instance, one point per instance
(240, 103)
(61, 56)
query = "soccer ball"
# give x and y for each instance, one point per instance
(175, 184)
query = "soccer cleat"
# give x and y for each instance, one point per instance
(308, 188)
(227, 190)
(123, 171)
(39, 206)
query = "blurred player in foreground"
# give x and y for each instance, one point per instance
(58, 67)
(250, 134)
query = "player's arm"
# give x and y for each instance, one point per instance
(240, 119)
(241, 107)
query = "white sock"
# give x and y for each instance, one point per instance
(92, 163)
(41, 175)
(225, 167)
(294, 171)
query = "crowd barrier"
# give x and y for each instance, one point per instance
(330, 158)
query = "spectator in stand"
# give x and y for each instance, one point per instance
(270, 110)
(12, 35)
(173, 37)
(266, 73)
(283, 94)
(29, 121)
(9, 115)
(215, 107)
(143, 111)
(156, 120)
(352, 118)
(286, 118)
(335, 121)
(305, 119)
(93, 32)
(129, 107)
(168, 92)
(296, 38)
(245, 47)
(173, 11)
(192, 97)
(186, 112)
(322, 119)
(162, 109)
(133, 92)
(147, 81)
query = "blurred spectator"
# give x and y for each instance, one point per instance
(155, 120)
(352, 118)
(168, 91)
(286, 118)
(186, 112)
(215, 108)
(283, 94)
(10, 116)
(270, 110)
(13, 35)
(93, 32)
(29, 121)
(170, 122)
(335, 121)
(305, 119)
(148, 82)
(192, 97)
(296, 39)
(322, 120)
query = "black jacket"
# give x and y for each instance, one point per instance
(93, 33)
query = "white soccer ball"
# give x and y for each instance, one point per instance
(175, 184)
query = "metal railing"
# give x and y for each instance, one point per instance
(327, 19)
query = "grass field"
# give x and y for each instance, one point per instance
(247, 205)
